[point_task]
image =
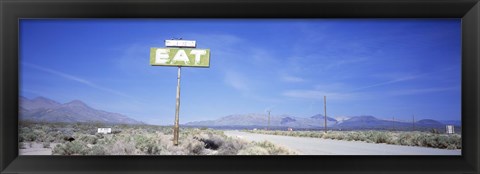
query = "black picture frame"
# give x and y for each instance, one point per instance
(13, 10)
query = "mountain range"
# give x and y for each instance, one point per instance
(262, 120)
(318, 121)
(44, 109)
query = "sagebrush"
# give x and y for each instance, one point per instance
(413, 138)
(139, 140)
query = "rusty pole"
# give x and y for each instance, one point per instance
(177, 111)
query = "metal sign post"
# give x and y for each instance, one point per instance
(176, 127)
(179, 53)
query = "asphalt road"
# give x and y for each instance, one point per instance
(318, 146)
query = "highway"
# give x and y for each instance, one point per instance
(319, 146)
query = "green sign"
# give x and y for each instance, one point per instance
(180, 57)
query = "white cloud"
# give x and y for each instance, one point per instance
(401, 79)
(213, 40)
(237, 80)
(331, 86)
(76, 79)
(292, 79)
(244, 85)
(423, 91)
(318, 95)
(342, 62)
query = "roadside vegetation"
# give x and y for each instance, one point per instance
(137, 140)
(414, 138)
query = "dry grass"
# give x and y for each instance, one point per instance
(415, 138)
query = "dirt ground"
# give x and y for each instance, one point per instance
(34, 148)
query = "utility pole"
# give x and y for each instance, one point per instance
(268, 127)
(413, 122)
(393, 122)
(325, 109)
(177, 110)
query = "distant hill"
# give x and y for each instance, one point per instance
(315, 122)
(44, 109)
(366, 122)
(428, 122)
(261, 120)
(451, 122)
(38, 103)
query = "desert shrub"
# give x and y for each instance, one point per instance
(27, 136)
(417, 138)
(52, 136)
(192, 146)
(32, 133)
(97, 150)
(70, 148)
(46, 144)
(432, 141)
(434, 131)
(328, 136)
(231, 146)
(22, 145)
(99, 135)
(152, 149)
(40, 135)
(253, 150)
(339, 136)
(272, 149)
(355, 136)
(441, 141)
(90, 132)
(311, 134)
(376, 136)
(420, 140)
(121, 147)
(146, 144)
(381, 137)
(89, 139)
(454, 142)
(116, 131)
(212, 140)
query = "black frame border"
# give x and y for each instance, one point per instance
(13, 10)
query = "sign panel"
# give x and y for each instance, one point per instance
(180, 57)
(181, 43)
(450, 129)
(104, 130)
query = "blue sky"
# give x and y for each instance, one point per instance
(381, 67)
